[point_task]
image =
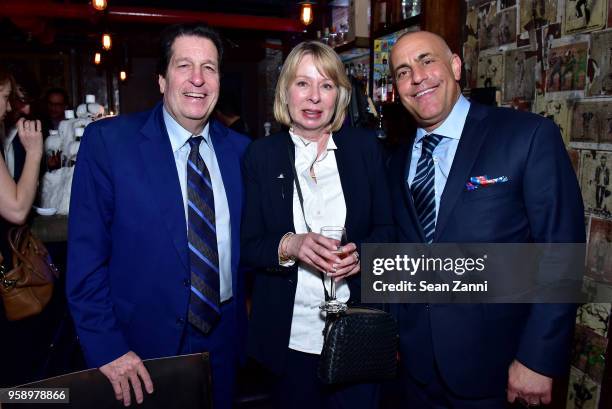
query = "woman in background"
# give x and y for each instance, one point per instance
(16, 200)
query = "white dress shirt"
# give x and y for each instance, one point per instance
(179, 137)
(324, 205)
(444, 153)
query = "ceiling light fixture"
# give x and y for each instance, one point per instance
(306, 13)
(99, 5)
(107, 42)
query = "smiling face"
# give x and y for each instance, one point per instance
(426, 75)
(311, 99)
(191, 83)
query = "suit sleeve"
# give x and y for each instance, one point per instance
(89, 253)
(555, 212)
(259, 246)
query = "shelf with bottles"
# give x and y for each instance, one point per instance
(382, 82)
(391, 15)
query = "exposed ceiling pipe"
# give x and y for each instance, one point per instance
(47, 9)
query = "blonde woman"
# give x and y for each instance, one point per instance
(342, 182)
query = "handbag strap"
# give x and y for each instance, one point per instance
(301, 198)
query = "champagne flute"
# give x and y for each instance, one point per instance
(336, 233)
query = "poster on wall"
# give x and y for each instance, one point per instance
(470, 48)
(535, 14)
(487, 26)
(600, 64)
(506, 32)
(582, 16)
(582, 393)
(490, 70)
(592, 122)
(588, 352)
(595, 181)
(519, 74)
(567, 67)
(556, 109)
(595, 316)
(599, 256)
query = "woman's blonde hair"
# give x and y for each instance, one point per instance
(328, 64)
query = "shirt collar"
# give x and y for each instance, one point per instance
(179, 135)
(452, 127)
(300, 142)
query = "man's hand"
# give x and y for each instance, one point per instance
(125, 370)
(528, 386)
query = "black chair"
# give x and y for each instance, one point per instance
(180, 382)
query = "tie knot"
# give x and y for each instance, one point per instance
(194, 142)
(430, 142)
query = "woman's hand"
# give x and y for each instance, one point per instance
(30, 135)
(314, 249)
(348, 265)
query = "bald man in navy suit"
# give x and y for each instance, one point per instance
(478, 355)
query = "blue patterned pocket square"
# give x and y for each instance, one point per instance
(484, 181)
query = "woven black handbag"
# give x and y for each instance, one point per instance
(360, 346)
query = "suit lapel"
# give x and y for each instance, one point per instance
(345, 160)
(284, 186)
(472, 138)
(405, 170)
(160, 167)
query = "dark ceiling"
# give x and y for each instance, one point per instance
(52, 29)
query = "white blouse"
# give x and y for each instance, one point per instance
(324, 205)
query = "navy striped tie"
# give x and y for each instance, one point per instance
(422, 188)
(204, 303)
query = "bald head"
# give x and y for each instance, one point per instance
(426, 75)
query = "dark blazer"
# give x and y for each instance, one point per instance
(268, 216)
(128, 263)
(20, 154)
(474, 344)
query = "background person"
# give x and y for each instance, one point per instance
(341, 175)
(54, 105)
(16, 200)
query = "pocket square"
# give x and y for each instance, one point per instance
(484, 181)
(281, 176)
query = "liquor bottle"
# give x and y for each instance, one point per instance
(382, 15)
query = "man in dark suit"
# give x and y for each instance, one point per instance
(154, 228)
(477, 355)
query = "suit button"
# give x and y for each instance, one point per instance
(180, 321)
(186, 283)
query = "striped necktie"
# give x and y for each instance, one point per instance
(423, 189)
(204, 303)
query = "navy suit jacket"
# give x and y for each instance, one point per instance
(474, 344)
(268, 216)
(128, 264)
